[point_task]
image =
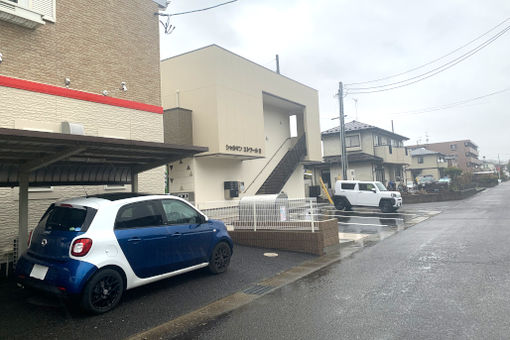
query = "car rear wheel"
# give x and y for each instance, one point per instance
(103, 291)
(341, 203)
(220, 258)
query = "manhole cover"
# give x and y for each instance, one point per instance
(257, 289)
(271, 254)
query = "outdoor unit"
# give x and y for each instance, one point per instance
(351, 174)
(232, 189)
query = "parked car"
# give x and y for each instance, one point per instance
(365, 194)
(96, 247)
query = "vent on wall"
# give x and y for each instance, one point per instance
(72, 128)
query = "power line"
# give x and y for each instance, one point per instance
(433, 61)
(426, 75)
(199, 10)
(450, 105)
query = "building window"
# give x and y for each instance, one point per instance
(352, 141)
(453, 146)
(376, 140)
(420, 160)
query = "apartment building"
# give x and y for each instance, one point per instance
(260, 126)
(426, 163)
(372, 154)
(80, 105)
(462, 153)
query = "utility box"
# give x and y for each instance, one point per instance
(264, 208)
(233, 189)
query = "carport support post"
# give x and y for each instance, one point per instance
(23, 213)
(134, 181)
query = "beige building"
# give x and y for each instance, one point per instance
(372, 154)
(426, 163)
(80, 104)
(260, 126)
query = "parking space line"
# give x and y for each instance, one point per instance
(381, 218)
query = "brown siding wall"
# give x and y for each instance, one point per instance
(318, 243)
(97, 44)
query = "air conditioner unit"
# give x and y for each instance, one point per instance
(351, 174)
(72, 128)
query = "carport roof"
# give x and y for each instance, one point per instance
(65, 159)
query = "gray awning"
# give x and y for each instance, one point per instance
(64, 159)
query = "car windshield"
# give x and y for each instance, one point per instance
(381, 186)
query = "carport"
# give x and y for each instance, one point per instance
(33, 158)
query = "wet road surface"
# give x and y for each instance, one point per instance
(445, 278)
(30, 315)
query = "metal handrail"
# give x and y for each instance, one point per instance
(267, 163)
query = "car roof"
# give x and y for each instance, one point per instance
(100, 200)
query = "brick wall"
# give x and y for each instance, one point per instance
(97, 44)
(320, 242)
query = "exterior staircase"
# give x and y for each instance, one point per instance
(282, 172)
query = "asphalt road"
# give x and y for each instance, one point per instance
(30, 315)
(445, 278)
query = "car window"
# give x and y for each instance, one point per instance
(66, 218)
(348, 186)
(137, 215)
(381, 186)
(178, 212)
(366, 186)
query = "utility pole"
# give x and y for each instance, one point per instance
(342, 130)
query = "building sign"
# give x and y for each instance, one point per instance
(239, 148)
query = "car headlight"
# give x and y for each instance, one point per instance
(393, 195)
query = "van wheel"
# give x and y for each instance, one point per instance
(220, 258)
(103, 291)
(386, 207)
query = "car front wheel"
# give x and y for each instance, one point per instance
(103, 291)
(220, 258)
(386, 207)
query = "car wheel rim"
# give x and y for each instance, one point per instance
(221, 257)
(105, 292)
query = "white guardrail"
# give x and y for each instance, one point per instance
(279, 214)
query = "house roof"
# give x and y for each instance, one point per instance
(424, 152)
(359, 126)
(161, 3)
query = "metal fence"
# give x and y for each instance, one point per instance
(277, 214)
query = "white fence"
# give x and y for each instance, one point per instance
(279, 214)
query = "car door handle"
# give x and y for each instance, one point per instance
(176, 234)
(135, 240)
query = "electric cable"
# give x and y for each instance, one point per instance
(200, 10)
(426, 75)
(433, 61)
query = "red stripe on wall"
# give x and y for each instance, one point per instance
(74, 94)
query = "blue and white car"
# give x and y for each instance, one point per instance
(96, 247)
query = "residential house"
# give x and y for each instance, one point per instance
(372, 154)
(80, 105)
(426, 163)
(462, 153)
(260, 126)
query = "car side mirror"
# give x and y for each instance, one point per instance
(374, 191)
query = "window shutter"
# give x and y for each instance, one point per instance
(45, 7)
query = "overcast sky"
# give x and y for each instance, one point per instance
(323, 42)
